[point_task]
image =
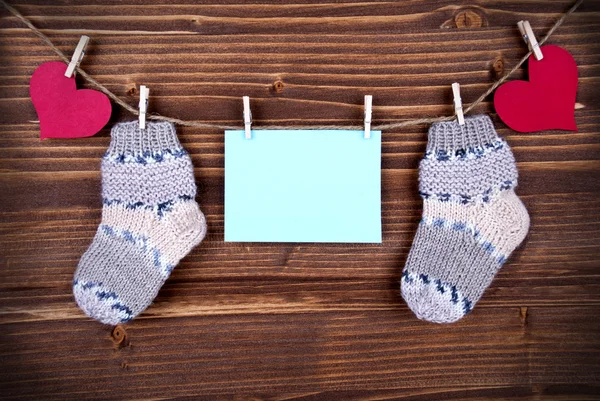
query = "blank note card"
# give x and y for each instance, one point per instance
(303, 186)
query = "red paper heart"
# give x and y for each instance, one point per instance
(547, 100)
(64, 111)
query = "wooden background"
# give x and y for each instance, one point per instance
(250, 321)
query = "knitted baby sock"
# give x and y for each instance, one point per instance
(472, 219)
(150, 221)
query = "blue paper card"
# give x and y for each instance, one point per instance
(303, 186)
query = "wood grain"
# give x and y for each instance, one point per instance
(249, 321)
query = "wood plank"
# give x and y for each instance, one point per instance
(277, 353)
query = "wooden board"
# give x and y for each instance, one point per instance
(297, 321)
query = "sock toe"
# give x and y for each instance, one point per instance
(100, 303)
(432, 300)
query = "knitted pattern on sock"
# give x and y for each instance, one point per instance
(150, 221)
(472, 219)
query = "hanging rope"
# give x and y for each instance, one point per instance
(381, 127)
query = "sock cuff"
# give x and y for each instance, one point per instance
(449, 136)
(128, 138)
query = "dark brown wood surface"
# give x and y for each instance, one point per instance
(250, 321)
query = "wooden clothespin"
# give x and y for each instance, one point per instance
(458, 109)
(530, 39)
(368, 115)
(77, 56)
(247, 117)
(144, 93)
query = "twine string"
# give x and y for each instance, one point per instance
(381, 127)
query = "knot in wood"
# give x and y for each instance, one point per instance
(523, 315)
(498, 67)
(468, 19)
(278, 86)
(119, 336)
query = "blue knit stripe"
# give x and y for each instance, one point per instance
(441, 287)
(161, 209)
(146, 157)
(470, 153)
(143, 243)
(464, 227)
(464, 199)
(106, 297)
